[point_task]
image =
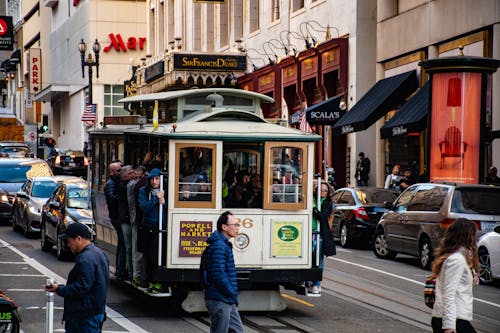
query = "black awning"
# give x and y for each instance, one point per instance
(15, 56)
(412, 117)
(5, 66)
(385, 95)
(326, 112)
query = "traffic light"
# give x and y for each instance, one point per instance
(50, 142)
(45, 124)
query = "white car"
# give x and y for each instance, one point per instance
(489, 256)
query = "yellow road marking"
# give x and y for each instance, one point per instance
(298, 300)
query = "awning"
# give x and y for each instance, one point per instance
(5, 66)
(50, 92)
(326, 112)
(412, 117)
(385, 95)
(15, 56)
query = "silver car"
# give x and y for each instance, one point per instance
(416, 221)
(28, 202)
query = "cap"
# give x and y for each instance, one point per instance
(76, 229)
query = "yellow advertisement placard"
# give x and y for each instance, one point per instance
(286, 238)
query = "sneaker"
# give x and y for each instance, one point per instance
(154, 288)
(136, 282)
(315, 290)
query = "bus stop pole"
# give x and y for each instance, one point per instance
(49, 312)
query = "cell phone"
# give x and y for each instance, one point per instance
(49, 283)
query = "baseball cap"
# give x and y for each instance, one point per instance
(76, 229)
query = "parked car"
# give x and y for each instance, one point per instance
(15, 149)
(13, 174)
(489, 256)
(27, 204)
(415, 222)
(68, 204)
(356, 212)
(68, 162)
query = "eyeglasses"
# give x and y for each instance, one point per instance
(324, 190)
(235, 224)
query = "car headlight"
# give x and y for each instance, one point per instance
(4, 198)
(34, 210)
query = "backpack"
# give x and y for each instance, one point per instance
(430, 291)
(203, 268)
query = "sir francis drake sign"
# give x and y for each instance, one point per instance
(210, 62)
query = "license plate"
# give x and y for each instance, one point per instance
(487, 226)
(72, 164)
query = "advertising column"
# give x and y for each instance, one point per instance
(457, 117)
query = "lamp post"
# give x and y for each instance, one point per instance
(89, 63)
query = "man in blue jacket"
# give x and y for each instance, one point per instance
(221, 291)
(85, 291)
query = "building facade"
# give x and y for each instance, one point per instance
(120, 29)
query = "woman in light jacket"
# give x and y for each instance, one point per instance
(393, 180)
(455, 266)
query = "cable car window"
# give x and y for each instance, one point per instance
(286, 175)
(195, 178)
(242, 186)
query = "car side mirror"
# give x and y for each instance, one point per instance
(388, 205)
(54, 205)
(22, 194)
(497, 229)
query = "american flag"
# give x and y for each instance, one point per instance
(304, 125)
(89, 116)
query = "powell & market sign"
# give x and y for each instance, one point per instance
(210, 62)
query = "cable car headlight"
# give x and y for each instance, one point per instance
(241, 241)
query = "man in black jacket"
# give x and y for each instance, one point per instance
(111, 191)
(362, 170)
(85, 291)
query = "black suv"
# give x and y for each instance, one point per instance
(415, 222)
(68, 162)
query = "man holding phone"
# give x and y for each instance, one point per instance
(85, 291)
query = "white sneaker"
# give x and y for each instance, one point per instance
(315, 290)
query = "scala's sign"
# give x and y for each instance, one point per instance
(210, 62)
(116, 42)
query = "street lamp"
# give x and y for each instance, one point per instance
(96, 47)
(89, 63)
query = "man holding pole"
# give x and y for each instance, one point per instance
(88, 281)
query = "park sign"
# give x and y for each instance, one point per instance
(6, 33)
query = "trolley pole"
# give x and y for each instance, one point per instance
(49, 312)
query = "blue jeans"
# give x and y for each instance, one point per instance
(120, 266)
(224, 318)
(127, 241)
(86, 325)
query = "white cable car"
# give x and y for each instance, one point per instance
(211, 141)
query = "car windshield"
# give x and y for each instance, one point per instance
(43, 189)
(15, 150)
(78, 198)
(375, 196)
(476, 201)
(15, 173)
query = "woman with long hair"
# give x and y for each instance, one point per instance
(456, 265)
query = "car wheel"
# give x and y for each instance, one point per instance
(44, 242)
(345, 240)
(425, 254)
(60, 252)
(381, 248)
(485, 276)
(15, 227)
(26, 223)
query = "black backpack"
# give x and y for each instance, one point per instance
(203, 268)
